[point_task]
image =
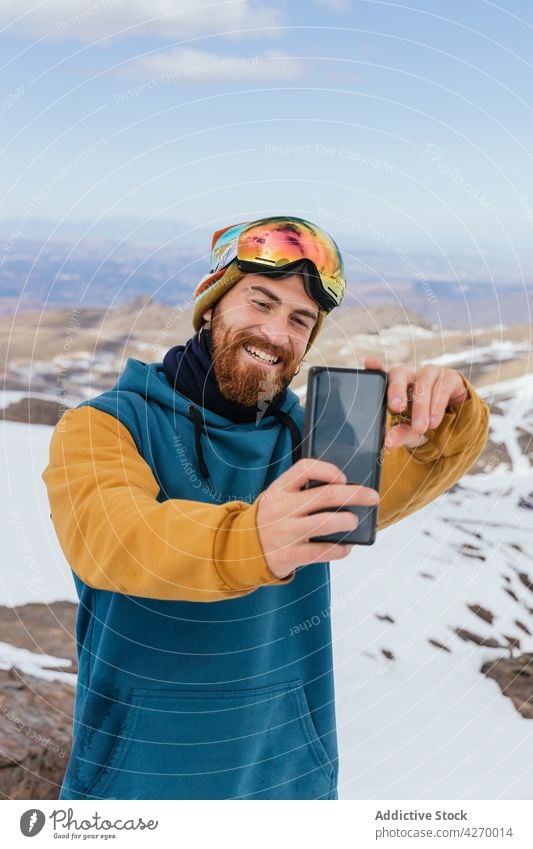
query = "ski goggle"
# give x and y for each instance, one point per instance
(279, 246)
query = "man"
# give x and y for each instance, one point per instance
(178, 500)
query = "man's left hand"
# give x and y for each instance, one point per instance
(422, 395)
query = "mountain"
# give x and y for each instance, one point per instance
(125, 260)
(66, 355)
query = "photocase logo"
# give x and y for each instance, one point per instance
(32, 822)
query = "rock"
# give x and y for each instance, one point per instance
(526, 580)
(471, 637)
(35, 733)
(439, 645)
(482, 612)
(515, 679)
(46, 628)
(34, 411)
(36, 715)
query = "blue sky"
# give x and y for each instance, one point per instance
(375, 119)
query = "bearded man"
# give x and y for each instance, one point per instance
(178, 498)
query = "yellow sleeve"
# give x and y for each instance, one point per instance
(116, 536)
(411, 478)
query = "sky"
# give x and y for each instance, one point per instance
(374, 118)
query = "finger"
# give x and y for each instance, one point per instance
(374, 363)
(421, 394)
(330, 497)
(459, 393)
(399, 379)
(306, 470)
(323, 524)
(319, 552)
(440, 398)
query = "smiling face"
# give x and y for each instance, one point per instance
(260, 330)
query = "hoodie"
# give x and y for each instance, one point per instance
(201, 674)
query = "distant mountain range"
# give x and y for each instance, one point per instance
(62, 356)
(455, 294)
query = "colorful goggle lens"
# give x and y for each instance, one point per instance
(279, 241)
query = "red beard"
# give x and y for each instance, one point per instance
(245, 383)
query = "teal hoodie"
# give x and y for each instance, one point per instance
(187, 700)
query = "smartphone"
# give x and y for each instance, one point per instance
(345, 424)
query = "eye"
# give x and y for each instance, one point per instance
(260, 304)
(300, 321)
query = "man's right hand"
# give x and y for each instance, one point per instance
(287, 515)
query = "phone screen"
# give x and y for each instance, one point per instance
(345, 425)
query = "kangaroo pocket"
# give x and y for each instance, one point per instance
(247, 744)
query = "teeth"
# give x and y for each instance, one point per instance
(267, 358)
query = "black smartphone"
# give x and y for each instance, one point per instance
(345, 424)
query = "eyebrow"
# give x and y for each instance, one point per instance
(274, 297)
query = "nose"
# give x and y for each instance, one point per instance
(275, 330)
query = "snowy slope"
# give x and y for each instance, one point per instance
(425, 723)
(421, 722)
(33, 566)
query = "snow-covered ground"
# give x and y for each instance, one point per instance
(497, 350)
(416, 721)
(33, 663)
(425, 723)
(33, 566)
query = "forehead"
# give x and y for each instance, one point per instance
(290, 290)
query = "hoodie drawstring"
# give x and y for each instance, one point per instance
(296, 439)
(198, 428)
(283, 417)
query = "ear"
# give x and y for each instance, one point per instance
(207, 314)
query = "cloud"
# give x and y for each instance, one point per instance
(190, 65)
(90, 20)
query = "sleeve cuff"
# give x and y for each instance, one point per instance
(238, 555)
(462, 425)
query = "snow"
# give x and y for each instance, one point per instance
(32, 663)
(497, 350)
(34, 568)
(427, 724)
(423, 725)
(394, 335)
(517, 407)
(521, 386)
(434, 731)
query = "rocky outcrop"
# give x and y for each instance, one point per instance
(35, 729)
(36, 714)
(514, 677)
(34, 411)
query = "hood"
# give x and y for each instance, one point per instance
(150, 382)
